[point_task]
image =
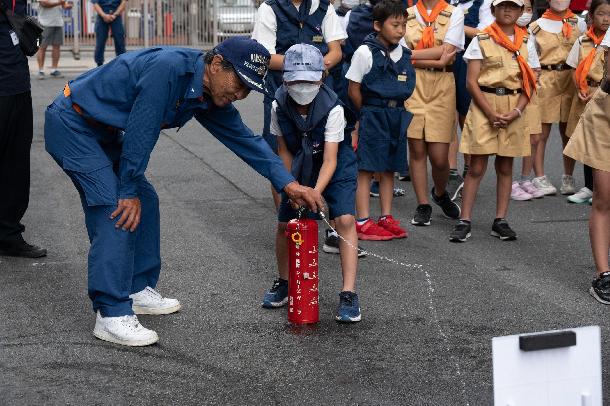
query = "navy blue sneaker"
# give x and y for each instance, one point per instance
(374, 189)
(349, 308)
(277, 296)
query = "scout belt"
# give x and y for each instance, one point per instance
(592, 83)
(448, 68)
(378, 102)
(499, 91)
(557, 66)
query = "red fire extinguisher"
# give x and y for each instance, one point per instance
(302, 237)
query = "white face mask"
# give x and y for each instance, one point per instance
(303, 93)
(560, 5)
(524, 19)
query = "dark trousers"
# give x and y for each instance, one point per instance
(16, 129)
(101, 35)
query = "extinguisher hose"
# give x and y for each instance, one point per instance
(369, 253)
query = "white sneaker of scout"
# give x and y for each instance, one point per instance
(149, 301)
(123, 330)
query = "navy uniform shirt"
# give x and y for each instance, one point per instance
(107, 5)
(144, 91)
(14, 71)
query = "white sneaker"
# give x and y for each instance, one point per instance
(123, 330)
(149, 301)
(568, 185)
(543, 184)
(581, 197)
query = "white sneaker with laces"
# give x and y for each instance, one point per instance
(123, 330)
(543, 184)
(149, 301)
(582, 196)
(568, 185)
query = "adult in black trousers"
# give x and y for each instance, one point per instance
(16, 128)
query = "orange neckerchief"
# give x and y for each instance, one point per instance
(528, 78)
(567, 27)
(427, 39)
(585, 65)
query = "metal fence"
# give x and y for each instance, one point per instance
(193, 23)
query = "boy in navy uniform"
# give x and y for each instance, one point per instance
(309, 121)
(283, 23)
(381, 79)
(108, 18)
(102, 129)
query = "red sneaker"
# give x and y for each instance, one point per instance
(389, 224)
(372, 232)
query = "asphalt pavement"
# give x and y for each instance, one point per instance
(425, 338)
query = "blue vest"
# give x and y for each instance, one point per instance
(305, 137)
(297, 26)
(387, 80)
(360, 25)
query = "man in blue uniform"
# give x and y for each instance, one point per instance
(101, 131)
(16, 128)
(108, 17)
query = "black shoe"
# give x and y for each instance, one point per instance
(331, 244)
(422, 215)
(600, 288)
(450, 209)
(502, 230)
(454, 186)
(21, 249)
(461, 232)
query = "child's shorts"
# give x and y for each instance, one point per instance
(555, 95)
(532, 116)
(578, 106)
(481, 138)
(340, 194)
(433, 106)
(590, 142)
(382, 139)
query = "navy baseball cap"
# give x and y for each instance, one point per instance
(249, 59)
(303, 62)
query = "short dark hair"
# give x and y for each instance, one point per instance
(209, 56)
(595, 5)
(388, 8)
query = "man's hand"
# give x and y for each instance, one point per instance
(130, 210)
(304, 196)
(108, 18)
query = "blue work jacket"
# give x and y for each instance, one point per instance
(144, 91)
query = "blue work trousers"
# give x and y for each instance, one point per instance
(120, 262)
(101, 36)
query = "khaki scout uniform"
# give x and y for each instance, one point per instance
(433, 101)
(499, 69)
(590, 141)
(532, 116)
(594, 77)
(556, 88)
